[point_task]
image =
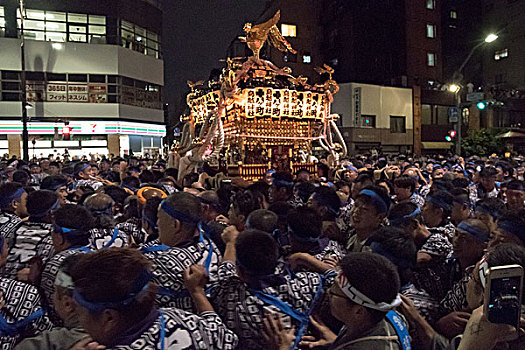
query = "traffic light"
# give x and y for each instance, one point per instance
(451, 135)
(489, 103)
(66, 132)
(482, 105)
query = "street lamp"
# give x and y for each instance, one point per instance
(25, 134)
(491, 37)
(455, 87)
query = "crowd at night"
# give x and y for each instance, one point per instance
(121, 253)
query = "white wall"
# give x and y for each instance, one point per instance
(81, 58)
(381, 101)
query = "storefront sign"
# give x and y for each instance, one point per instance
(98, 93)
(77, 93)
(57, 92)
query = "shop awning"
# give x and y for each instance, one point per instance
(436, 145)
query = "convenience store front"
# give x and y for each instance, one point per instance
(86, 137)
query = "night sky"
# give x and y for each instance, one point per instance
(196, 35)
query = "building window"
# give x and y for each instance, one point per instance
(431, 30)
(84, 88)
(498, 55)
(2, 21)
(366, 121)
(307, 57)
(431, 4)
(397, 124)
(289, 30)
(139, 39)
(61, 27)
(453, 14)
(431, 59)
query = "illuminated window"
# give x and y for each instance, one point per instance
(453, 14)
(289, 30)
(139, 39)
(498, 55)
(2, 21)
(431, 4)
(307, 58)
(431, 59)
(431, 31)
(61, 26)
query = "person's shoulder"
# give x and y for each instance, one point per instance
(8, 285)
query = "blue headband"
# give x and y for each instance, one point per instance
(380, 202)
(399, 221)
(176, 214)
(439, 203)
(351, 167)
(511, 227)
(97, 307)
(399, 262)
(6, 201)
(412, 214)
(474, 231)
(70, 232)
(83, 168)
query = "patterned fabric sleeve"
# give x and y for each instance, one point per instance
(437, 245)
(222, 337)
(456, 298)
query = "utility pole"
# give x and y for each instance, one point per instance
(25, 134)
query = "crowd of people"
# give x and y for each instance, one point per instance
(379, 252)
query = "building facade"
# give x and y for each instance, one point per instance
(375, 117)
(97, 69)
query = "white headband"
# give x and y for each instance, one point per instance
(64, 280)
(359, 298)
(483, 271)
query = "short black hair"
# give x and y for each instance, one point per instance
(443, 200)
(131, 182)
(78, 218)
(80, 167)
(488, 172)
(188, 205)
(374, 276)
(304, 190)
(494, 206)
(53, 182)
(364, 178)
(461, 182)
(244, 202)
(327, 197)
(147, 176)
(283, 179)
(398, 247)
(116, 193)
(405, 182)
(304, 222)
(21, 177)
(460, 195)
(263, 220)
(257, 252)
(40, 202)
(401, 214)
(7, 190)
